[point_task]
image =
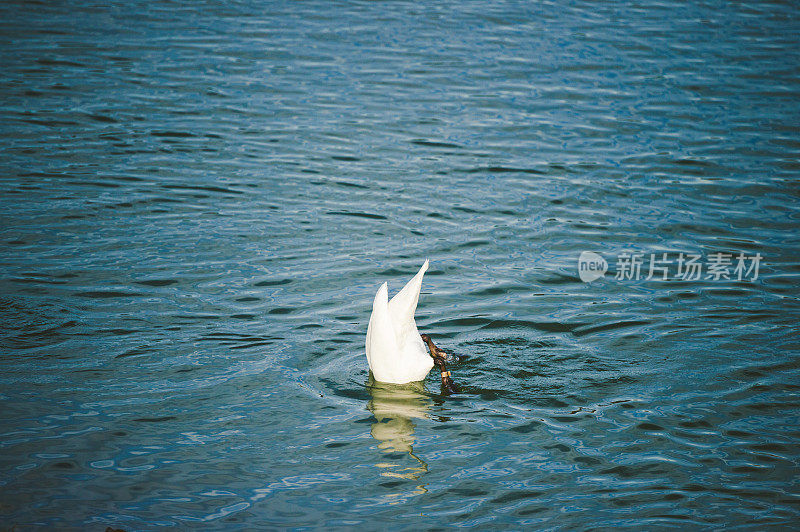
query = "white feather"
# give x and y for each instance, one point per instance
(395, 351)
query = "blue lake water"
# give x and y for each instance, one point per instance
(199, 201)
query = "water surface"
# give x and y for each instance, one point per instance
(199, 201)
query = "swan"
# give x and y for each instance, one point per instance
(396, 351)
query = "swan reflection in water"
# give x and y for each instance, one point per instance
(395, 406)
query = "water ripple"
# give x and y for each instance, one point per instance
(200, 200)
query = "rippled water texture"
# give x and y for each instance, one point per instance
(200, 199)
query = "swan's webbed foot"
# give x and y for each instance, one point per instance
(440, 360)
(449, 385)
